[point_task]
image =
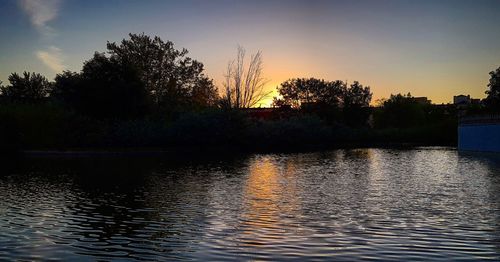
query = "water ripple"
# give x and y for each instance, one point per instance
(368, 204)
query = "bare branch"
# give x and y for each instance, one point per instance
(245, 87)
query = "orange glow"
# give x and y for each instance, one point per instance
(269, 193)
(261, 192)
(268, 100)
(439, 84)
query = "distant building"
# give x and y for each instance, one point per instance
(464, 100)
(422, 100)
(259, 112)
(475, 101)
(461, 100)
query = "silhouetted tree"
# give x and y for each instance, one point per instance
(67, 88)
(204, 94)
(357, 96)
(400, 111)
(356, 102)
(493, 98)
(244, 85)
(28, 88)
(168, 75)
(105, 88)
(300, 92)
(328, 99)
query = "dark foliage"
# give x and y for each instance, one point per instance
(172, 79)
(333, 101)
(9, 133)
(301, 132)
(356, 96)
(356, 102)
(105, 88)
(399, 111)
(305, 92)
(144, 93)
(493, 92)
(26, 88)
(67, 88)
(403, 111)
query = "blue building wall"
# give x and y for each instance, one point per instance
(484, 137)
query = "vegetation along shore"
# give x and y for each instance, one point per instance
(143, 93)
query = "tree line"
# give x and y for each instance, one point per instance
(133, 78)
(139, 76)
(144, 75)
(143, 92)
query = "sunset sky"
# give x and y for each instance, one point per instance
(429, 48)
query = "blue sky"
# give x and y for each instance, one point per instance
(429, 48)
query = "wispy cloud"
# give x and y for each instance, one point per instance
(52, 57)
(41, 12)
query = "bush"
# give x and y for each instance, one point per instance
(297, 132)
(46, 126)
(208, 128)
(49, 126)
(9, 140)
(139, 133)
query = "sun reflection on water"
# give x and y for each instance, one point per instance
(270, 201)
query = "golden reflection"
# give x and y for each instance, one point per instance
(270, 201)
(262, 186)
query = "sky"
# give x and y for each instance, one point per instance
(430, 48)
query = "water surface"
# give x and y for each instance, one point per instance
(365, 204)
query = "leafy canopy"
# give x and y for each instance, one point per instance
(28, 88)
(300, 92)
(169, 76)
(493, 92)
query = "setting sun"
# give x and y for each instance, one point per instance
(258, 130)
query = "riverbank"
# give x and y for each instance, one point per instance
(151, 152)
(48, 128)
(265, 144)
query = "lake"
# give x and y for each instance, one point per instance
(361, 204)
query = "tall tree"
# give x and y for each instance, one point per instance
(204, 94)
(356, 100)
(328, 99)
(244, 84)
(67, 88)
(400, 111)
(300, 92)
(105, 88)
(357, 96)
(493, 92)
(169, 76)
(28, 87)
